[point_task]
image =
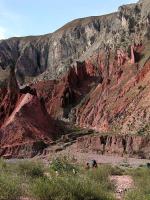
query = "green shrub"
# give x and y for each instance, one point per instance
(136, 195)
(68, 188)
(101, 175)
(142, 184)
(116, 171)
(31, 169)
(43, 189)
(3, 165)
(62, 165)
(10, 187)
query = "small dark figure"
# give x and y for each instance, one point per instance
(74, 171)
(91, 164)
(87, 166)
(148, 165)
(94, 164)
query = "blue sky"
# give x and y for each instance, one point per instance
(36, 17)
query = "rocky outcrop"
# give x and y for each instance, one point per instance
(62, 95)
(24, 122)
(53, 53)
(103, 99)
(133, 146)
(28, 124)
(9, 97)
(93, 72)
(115, 104)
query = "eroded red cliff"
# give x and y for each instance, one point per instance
(26, 127)
(96, 76)
(120, 103)
(133, 146)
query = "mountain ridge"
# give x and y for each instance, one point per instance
(56, 51)
(92, 73)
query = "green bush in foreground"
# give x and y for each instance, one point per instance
(10, 187)
(142, 184)
(91, 184)
(68, 188)
(3, 165)
(101, 175)
(31, 169)
(136, 195)
(62, 165)
(31, 179)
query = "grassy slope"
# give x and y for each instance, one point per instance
(36, 181)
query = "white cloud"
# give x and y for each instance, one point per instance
(2, 33)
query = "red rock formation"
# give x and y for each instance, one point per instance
(71, 89)
(109, 91)
(28, 123)
(24, 120)
(107, 107)
(134, 146)
(104, 96)
(132, 55)
(10, 95)
(121, 57)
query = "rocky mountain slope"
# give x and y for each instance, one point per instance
(93, 73)
(55, 52)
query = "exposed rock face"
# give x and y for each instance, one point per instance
(120, 145)
(120, 104)
(55, 52)
(73, 87)
(26, 127)
(93, 72)
(60, 96)
(9, 97)
(103, 99)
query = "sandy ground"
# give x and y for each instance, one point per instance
(71, 151)
(122, 185)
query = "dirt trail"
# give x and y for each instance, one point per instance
(72, 151)
(122, 185)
